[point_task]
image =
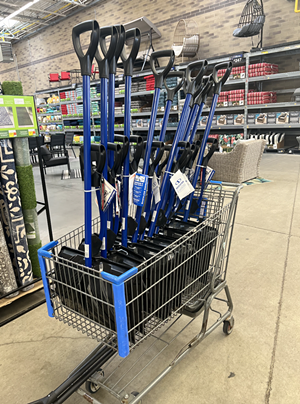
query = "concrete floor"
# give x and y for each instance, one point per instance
(258, 363)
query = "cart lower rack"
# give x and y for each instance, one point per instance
(142, 312)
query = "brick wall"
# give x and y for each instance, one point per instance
(51, 50)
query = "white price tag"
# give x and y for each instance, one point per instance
(130, 194)
(1, 101)
(155, 189)
(107, 194)
(209, 174)
(181, 184)
(87, 251)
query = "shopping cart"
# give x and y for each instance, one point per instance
(138, 315)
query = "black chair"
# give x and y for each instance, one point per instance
(69, 141)
(50, 161)
(252, 21)
(58, 144)
(33, 149)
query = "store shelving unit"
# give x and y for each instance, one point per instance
(281, 54)
(247, 83)
(118, 116)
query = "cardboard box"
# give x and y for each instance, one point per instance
(239, 119)
(203, 120)
(294, 116)
(251, 119)
(214, 121)
(261, 119)
(282, 118)
(230, 119)
(271, 117)
(221, 119)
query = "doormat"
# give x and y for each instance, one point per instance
(256, 181)
(75, 173)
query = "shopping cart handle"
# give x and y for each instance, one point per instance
(44, 250)
(172, 91)
(128, 61)
(86, 60)
(159, 77)
(220, 81)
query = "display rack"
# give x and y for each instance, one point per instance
(280, 53)
(95, 129)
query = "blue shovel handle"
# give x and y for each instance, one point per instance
(86, 67)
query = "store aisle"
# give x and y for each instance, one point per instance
(257, 363)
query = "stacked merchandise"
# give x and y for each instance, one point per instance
(236, 73)
(161, 102)
(135, 87)
(262, 97)
(231, 98)
(137, 106)
(48, 109)
(119, 107)
(262, 69)
(274, 140)
(172, 122)
(142, 86)
(150, 82)
(229, 141)
(98, 90)
(68, 96)
(120, 89)
(94, 108)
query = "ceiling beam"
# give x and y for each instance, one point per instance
(24, 18)
(9, 5)
(74, 3)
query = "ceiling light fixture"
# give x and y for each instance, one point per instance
(20, 10)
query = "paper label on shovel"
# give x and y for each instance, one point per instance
(140, 186)
(181, 184)
(130, 194)
(107, 194)
(155, 189)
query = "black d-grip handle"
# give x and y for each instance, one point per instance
(101, 156)
(159, 77)
(172, 91)
(104, 62)
(190, 82)
(128, 60)
(207, 85)
(118, 47)
(86, 60)
(220, 81)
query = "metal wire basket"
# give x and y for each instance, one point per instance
(123, 311)
(186, 39)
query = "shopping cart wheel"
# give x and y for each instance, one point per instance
(228, 326)
(92, 387)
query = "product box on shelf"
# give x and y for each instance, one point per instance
(294, 116)
(239, 119)
(271, 118)
(261, 118)
(251, 119)
(221, 119)
(229, 119)
(214, 121)
(282, 117)
(203, 120)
